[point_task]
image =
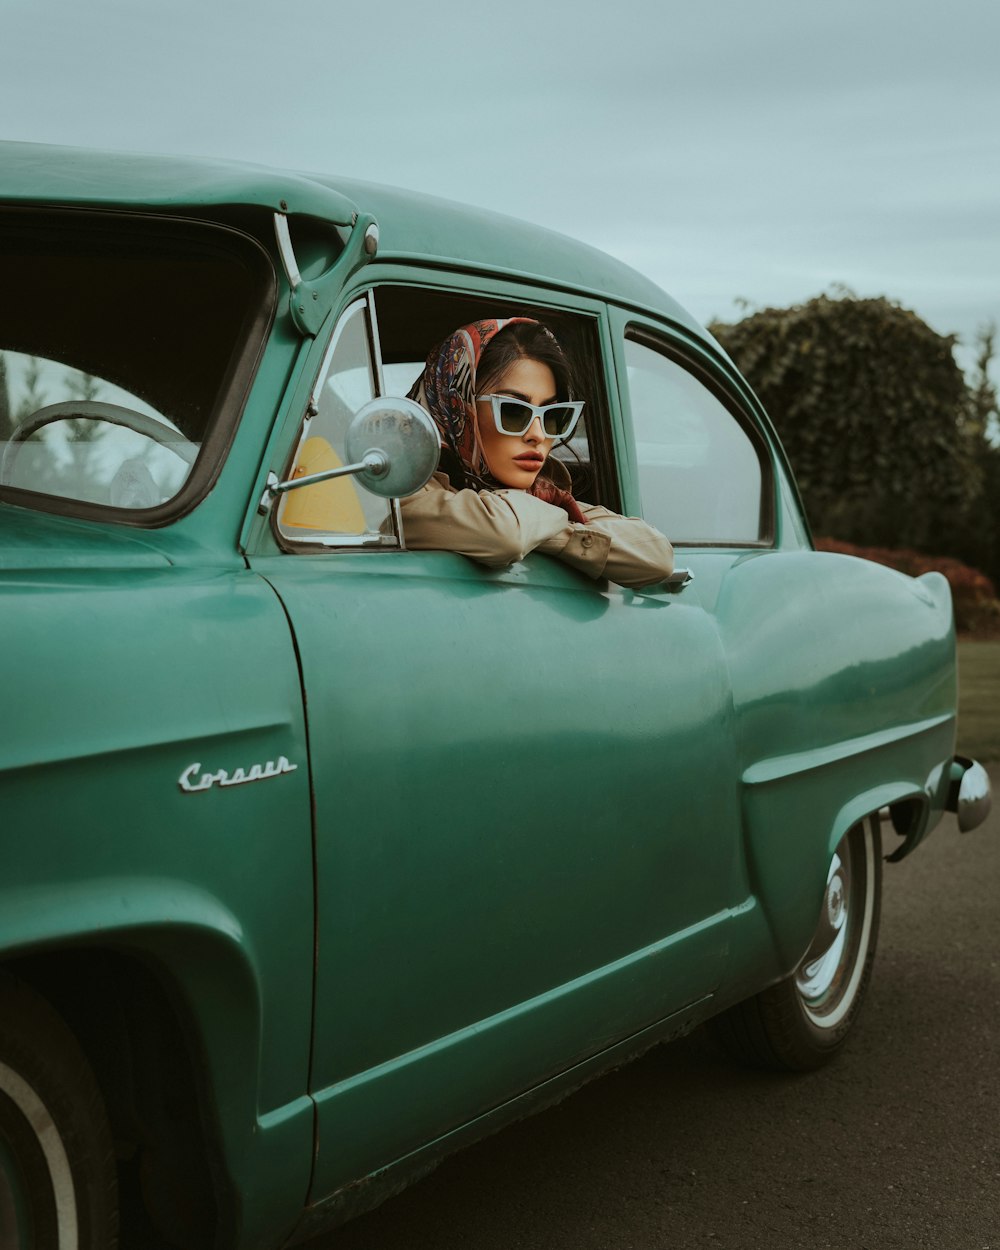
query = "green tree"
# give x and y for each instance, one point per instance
(984, 410)
(980, 542)
(876, 417)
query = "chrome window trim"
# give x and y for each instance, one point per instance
(331, 541)
(376, 348)
(375, 342)
(289, 543)
(283, 236)
(331, 347)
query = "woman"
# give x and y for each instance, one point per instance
(499, 392)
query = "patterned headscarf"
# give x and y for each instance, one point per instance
(447, 389)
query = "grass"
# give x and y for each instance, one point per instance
(979, 699)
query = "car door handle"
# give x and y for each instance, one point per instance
(678, 579)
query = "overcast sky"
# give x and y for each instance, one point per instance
(761, 150)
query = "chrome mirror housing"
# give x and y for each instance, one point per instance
(406, 438)
(392, 446)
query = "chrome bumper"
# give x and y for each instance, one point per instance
(969, 794)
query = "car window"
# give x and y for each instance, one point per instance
(81, 437)
(412, 321)
(114, 360)
(700, 475)
(338, 511)
(379, 347)
(574, 454)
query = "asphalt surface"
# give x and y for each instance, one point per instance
(895, 1144)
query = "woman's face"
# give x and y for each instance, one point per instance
(515, 460)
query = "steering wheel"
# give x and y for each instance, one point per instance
(114, 414)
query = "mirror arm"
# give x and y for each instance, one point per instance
(374, 462)
(407, 446)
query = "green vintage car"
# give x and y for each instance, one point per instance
(302, 888)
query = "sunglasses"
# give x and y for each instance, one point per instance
(515, 416)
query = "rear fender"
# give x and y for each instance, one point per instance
(789, 873)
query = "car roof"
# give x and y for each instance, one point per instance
(412, 226)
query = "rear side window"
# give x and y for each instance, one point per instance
(701, 472)
(126, 346)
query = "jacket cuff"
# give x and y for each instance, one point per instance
(587, 550)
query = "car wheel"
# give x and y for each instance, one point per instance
(804, 1020)
(58, 1189)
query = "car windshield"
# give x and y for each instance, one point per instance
(119, 339)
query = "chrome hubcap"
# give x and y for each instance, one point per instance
(836, 902)
(819, 971)
(828, 977)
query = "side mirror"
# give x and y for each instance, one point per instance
(393, 447)
(404, 436)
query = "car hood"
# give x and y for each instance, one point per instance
(38, 540)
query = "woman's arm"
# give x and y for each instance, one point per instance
(636, 554)
(493, 527)
(499, 527)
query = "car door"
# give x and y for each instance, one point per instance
(525, 806)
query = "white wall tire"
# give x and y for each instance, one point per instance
(804, 1020)
(58, 1187)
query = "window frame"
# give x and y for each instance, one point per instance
(681, 355)
(360, 302)
(546, 304)
(506, 296)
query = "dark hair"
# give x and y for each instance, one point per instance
(524, 341)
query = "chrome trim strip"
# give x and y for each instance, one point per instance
(370, 541)
(375, 343)
(397, 522)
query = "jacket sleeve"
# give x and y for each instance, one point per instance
(499, 527)
(624, 549)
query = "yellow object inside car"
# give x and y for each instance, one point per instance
(333, 505)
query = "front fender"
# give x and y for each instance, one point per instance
(199, 950)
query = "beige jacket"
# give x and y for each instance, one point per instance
(499, 527)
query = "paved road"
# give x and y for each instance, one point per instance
(896, 1146)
